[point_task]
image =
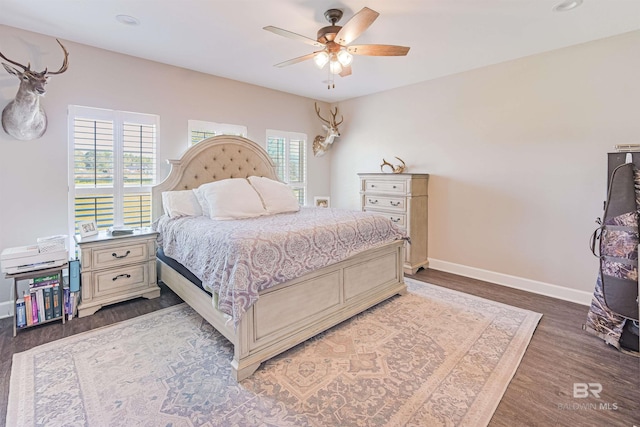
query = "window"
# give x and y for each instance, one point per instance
(288, 151)
(112, 167)
(199, 130)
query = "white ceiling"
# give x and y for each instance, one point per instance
(225, 37)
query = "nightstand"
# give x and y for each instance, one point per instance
(116, 268)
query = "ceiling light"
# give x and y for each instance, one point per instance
(344, 57)
(321, 59)
(567, 5)
(127, 20)
(335, 66)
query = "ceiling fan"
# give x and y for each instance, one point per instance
(334, 41)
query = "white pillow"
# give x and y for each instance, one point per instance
(180, 203)
(232, 198)
(277, 196)
(202, 201)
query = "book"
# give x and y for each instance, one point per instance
(27, 308)
(40, 298)
(34, 308)
(120, 230)
(47, 278)
(21, 317)
(48, 303)
(55, 301)
(67, 296)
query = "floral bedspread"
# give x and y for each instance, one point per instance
(239, 258)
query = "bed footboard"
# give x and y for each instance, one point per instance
(295, 311)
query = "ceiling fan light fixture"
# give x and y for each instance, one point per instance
(344, 57)
(335, 66)
(321, 59)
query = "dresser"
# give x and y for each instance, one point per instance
(116, 268)
(402, 198)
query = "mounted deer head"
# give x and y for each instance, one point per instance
(322, 143)
(23, 118)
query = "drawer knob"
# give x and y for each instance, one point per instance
(394, 219)
(373, 202)
(394, 186)
(394, 204)
(126, 276)
(120, 256)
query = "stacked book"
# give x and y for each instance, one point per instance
(46, 300)
(43, 301)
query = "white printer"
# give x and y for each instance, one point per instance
(29, 258)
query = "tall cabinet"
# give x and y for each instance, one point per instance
(403, 198)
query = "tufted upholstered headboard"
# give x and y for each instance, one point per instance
(213, 159)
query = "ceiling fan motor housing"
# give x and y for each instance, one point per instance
(328, 34)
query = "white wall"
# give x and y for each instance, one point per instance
(33, 174)
(517, 157)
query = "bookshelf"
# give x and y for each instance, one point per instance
(43, 280)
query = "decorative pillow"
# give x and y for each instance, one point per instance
(180, 203)
(203, 202)
(232, 198)
(277, 196)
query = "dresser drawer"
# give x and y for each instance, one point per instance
(384, 186)
(396, 218)
(387, 203)
(119, 280)
(119, 255)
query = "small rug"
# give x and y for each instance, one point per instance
(432, 357)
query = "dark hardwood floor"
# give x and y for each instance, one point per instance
(540, 394)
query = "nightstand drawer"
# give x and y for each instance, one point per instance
(119, 255)
(373, 185)
(118, 280)
(387, 203)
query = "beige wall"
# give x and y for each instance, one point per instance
(33, 174)
(516, 151)
(517, 157)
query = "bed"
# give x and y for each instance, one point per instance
(291, 312)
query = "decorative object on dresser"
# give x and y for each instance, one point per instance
(321, 144)
(24, 118)
(395, 169)
(403, 198)
(116, 268)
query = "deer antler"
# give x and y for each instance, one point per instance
(27, 68)
(318, 113)
(63, 68)
(65, 63)
(334, 117)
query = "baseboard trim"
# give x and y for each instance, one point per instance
(6, 309)
(541, 288)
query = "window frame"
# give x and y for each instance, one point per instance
(118, 190)
(288, 136)
(215, 128)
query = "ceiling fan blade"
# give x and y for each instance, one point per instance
(295, 60)
(356, 26)
(346, 71)
(294, 36)
(378, 50)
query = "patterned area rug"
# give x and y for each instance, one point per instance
(433, 357)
